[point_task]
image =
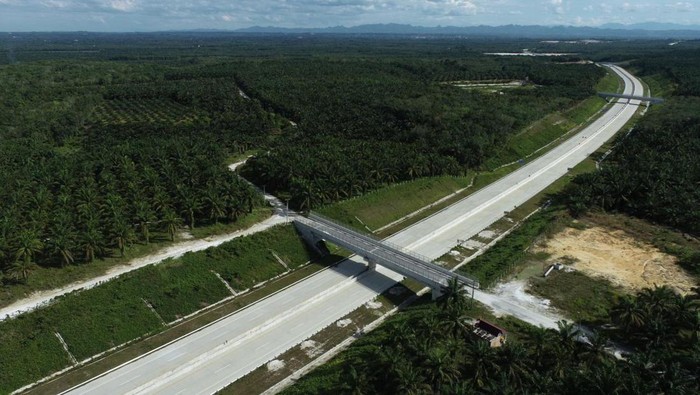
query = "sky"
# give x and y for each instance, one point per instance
(154, 15)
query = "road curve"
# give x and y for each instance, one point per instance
(214, 356)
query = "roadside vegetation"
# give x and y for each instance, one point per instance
(651, 174)
(429, 348)
(106, 153)
(140, 303)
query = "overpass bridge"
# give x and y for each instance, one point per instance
(316, 229)
(652, 100)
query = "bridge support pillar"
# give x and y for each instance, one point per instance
(371, 264)
(317, 244)
(437, 292)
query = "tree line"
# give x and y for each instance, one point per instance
(77, 190)
(396, 107)
(654, 173)
(431, 350)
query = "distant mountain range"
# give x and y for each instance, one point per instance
(643, 30)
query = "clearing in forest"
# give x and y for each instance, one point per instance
(618, 257)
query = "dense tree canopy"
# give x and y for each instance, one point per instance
(370, 122)
(654, 173)
(90, 167)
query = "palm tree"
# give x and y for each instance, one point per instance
(190, 205)
(481, 362)
(541, 339)
(440, 367)
(28, 246)
(61, 243)
(171, 221)
(215, 205)
(596, 351)
(604, 378)
(453, 296)
(355, 382)
(629, 314)
(91, 243)
(144, 217)
(21, 269)
(513, 361)
(123, 235)
(410, 381)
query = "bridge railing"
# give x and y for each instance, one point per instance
(428, 269)
(373, 238)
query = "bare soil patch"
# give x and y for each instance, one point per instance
(618, 257)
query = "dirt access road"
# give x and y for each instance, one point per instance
(42, 298)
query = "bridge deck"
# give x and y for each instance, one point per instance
(382, 253)
(631, 97)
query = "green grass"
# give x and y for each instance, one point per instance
(385, 205)
(258, 215)
(30, 351)
(545, 131)
(659, 85)
(583, 298)
(553, 126)
(135, 349)
(115, 312)
(610, 83)
(508, 254)
(46, 278)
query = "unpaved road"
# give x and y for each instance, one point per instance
(42, 298)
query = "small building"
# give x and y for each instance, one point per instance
(490, 333)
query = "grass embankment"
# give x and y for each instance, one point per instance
(553, 126)
(47, 278)
(95, 320)
(385, 205)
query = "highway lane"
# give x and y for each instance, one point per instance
(209, 359)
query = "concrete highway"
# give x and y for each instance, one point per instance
(207, 360)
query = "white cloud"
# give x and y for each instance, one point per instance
(122, 5)
(629, 7)
(56, 4)
(682, 6)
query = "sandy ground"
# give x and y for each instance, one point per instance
(515, 291)
(41, 298)
(618, 257)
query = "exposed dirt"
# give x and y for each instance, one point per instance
(275, 365)
(618, 257)
(344, 323)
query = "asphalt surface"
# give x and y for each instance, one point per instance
(209, 359)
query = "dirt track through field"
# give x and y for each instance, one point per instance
(618, 257)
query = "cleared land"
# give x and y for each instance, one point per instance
(618, 257)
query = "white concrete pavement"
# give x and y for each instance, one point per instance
(214, 356)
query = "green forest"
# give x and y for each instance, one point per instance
(371, 123)
(124, 144)
(110, 140)
(430, 349)
(83, 187)
(653, 172)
